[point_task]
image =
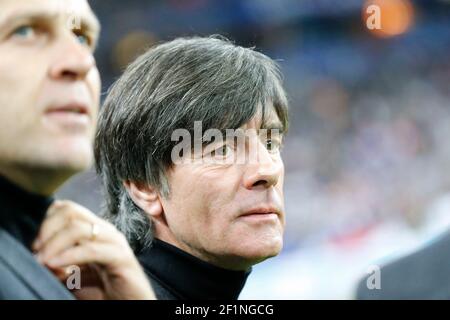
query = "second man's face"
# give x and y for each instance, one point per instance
(230, 214)
(49, 84)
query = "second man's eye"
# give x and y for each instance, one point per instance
(223, 151)
(272, 145)
(269, 145)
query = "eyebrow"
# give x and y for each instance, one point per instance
(88, 21)
(274, 125)
(27, 15)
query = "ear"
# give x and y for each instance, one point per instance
(146, 198)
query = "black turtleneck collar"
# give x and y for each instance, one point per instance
(188, 278)
(21, 212)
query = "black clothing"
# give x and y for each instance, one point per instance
(21, 212)
(423, 274)
(21, 276)
(177, 275)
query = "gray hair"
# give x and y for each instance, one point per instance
(169, 87)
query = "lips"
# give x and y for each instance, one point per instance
(262, 211)
(71, 116)
(75, 108)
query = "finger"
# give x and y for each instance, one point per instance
(54, 206)
(62, 214)
(77, 233)
(89, 272)
(59, 214)
(69, 236)
(120, 271)
(90, 252)
(60, 273)
(89, 293)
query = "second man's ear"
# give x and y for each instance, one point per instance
(145, 197)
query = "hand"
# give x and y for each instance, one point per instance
(72, 235)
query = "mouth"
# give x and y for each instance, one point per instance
(73, 116)
(74, 108)
(261, 213)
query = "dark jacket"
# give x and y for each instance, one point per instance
(21, 276)
(424, 274)
(177, 275)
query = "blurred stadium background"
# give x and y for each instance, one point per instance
(368, 153)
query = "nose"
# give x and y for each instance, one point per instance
(265, 172)
(72, 61)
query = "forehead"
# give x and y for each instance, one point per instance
(11, 10)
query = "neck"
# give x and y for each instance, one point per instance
(229, 262)
(43, 182)
(187, 277)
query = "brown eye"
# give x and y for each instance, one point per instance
(272, 145)
(223, 151)
(269, 145)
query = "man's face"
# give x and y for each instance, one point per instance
(229, 213)
(49, 84)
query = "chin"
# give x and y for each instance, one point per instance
(77, 164)
(67, 162)
(260, 251)
(76, 154)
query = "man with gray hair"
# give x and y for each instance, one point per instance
(198, 225)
